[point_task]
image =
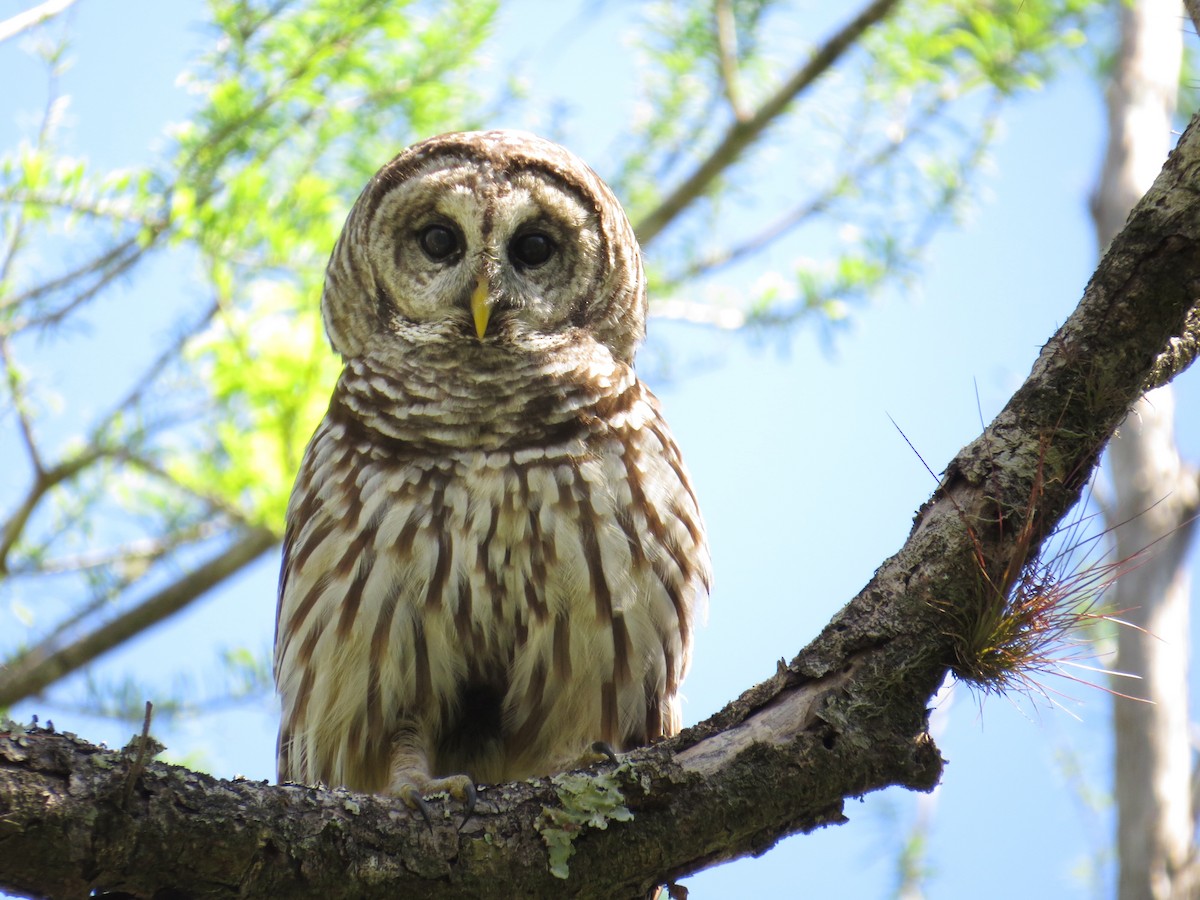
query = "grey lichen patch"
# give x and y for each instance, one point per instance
(587, 801)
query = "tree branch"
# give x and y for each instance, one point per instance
(32, 17)
(34, 670)
(848, 715)
(1193, 11)
(727, 54)
(858, 166)
(44, 480)
(743, 132)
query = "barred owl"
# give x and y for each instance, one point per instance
(493, 557)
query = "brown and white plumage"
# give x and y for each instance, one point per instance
(493, 555)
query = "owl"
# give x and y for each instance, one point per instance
(493, 559)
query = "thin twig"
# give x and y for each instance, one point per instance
(139, 762)
(727, 53)
(33, 671)
(96, 264)
(20, 405)
(42, 483)
(147, 552)
(115, 265)
(42, 142)
(169, 355)
(741, 134)
(143, 550)
(214, 501)
(96, 207)
(802, 212)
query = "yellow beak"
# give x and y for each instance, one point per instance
(479, 306)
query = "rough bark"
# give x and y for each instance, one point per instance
(1156, 499)
(848, 715)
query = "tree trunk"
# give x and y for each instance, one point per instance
(1155, 499)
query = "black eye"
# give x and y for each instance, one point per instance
(531, 249)
(440, 242)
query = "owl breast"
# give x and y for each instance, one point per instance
(515, 603)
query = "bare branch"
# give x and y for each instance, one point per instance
(34, 670)
(728, 55)
(107, 267)
(142, 384)
(21, 407)
(17, 232)
(139, 555)
(211, 499)
(32, 17)
(741, 134)
(43, 482)
(114, 210)
(146, 550)
(813, 206)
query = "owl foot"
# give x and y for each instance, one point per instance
(413, 787)
(602, 750)
(597, 752)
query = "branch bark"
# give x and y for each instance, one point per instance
(848, 715)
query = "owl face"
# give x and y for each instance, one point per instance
(488, 239)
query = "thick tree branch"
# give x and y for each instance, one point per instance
(846, 716)
(1193, 11)
(745, 131)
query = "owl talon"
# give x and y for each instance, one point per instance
(414, 790)
(468, 800)
(605, 749)
(413, 800)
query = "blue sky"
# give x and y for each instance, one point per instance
(804, 481)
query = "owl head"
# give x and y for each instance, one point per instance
(495, 240)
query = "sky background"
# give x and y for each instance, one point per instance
(805, 483)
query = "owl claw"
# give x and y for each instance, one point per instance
(469, 798)
(605, 749)
(413, 800)
(460, 787)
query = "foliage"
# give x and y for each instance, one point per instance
(295, 105)
(865, 167)
(297, 102)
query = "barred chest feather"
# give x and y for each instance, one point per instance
(515, 603)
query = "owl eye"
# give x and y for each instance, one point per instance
(531, 249)
(440, 242)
